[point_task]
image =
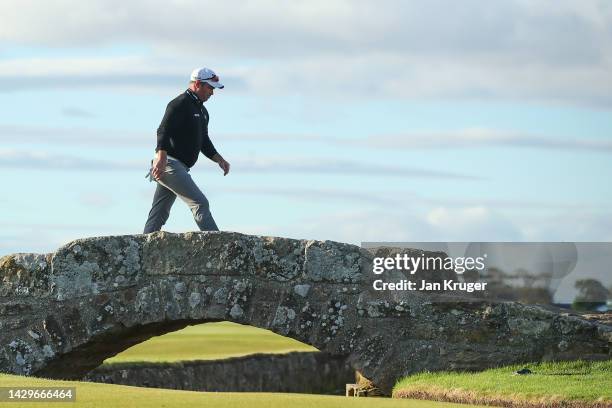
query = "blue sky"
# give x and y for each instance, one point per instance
(343, 121)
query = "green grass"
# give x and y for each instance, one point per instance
(206, 341)
(209, 341)
(563, 381)
(93, 395)
(550, 384)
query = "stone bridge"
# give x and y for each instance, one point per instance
(62, 314)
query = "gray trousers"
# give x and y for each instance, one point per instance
(176, 181)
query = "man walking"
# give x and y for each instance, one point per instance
(181, 136)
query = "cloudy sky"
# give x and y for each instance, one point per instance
(345, 120)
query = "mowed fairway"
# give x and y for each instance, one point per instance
(206, 341)
(119, 396)
(210, 341)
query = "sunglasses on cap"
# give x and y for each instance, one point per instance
(213, 78)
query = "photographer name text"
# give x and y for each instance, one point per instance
(412, 264)
(446, 285)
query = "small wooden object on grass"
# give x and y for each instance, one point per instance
(362, 388)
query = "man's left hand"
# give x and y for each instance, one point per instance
(225, 166)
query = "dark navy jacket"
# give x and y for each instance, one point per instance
(183, 131)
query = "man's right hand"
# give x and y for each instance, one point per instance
(159, 164)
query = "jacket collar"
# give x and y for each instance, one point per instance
(194, 96)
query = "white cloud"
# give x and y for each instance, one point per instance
(481, 137)
(272, 29)
(356, 226)
(132, 73)
(48, 237)
(70, 136)
(340, 167)
(384, 224)
(448, 224)
(16, 158)
(571, 226)
(402, 199)
(478, 223)
(428, 77)
(320, 194)
(13, 158)
(518, 50)
(460, 138)
(405, 224)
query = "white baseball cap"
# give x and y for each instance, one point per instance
(206, 75)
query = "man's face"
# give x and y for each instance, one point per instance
(203, 90)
